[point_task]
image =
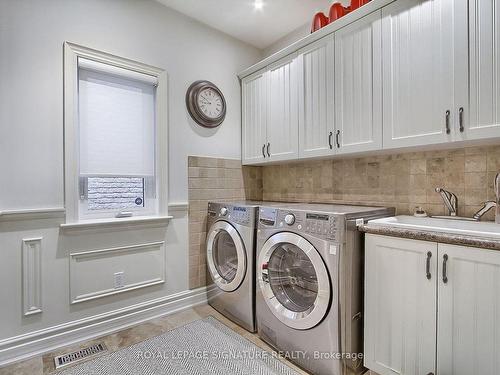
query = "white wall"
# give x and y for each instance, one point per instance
(31, 134)
(288, 39)
(31, 107)
(295, 35)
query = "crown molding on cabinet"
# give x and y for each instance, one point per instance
(359, 13)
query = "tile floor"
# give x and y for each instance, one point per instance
(43, 365)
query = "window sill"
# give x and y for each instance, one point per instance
(120, 223)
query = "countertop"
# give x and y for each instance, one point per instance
(417, 234)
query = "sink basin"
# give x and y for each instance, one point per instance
(452, 226)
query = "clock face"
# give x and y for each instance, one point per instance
(210, 103)
(206, 104)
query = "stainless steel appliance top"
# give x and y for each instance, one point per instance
(348, 211)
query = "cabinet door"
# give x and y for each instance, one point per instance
(400, 305)
(282, 119)
(484, 28)
(358, 85)
(254, 117)
(469, 311)
(421, 73)
(316, 67)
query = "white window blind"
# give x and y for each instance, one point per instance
(116, 121)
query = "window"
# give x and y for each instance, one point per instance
(113, 136)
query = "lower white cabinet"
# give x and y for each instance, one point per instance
(468, 311)
(431, 314)
(400, 306)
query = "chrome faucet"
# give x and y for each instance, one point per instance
(486, 207)
(450, 200)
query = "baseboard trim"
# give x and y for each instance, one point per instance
(19, 348)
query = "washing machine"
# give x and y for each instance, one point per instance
(309, 298)
(230, 252)
(231, 260)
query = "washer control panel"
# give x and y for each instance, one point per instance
(236, 214)
(319, 225)
(323, 225)
(290, 219)
(267, 217)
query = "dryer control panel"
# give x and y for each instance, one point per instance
(240, 215)
(320, 225)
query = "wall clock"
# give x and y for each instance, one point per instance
(206, 104)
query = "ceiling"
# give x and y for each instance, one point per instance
(241, 19)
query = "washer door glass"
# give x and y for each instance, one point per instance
(294, 280)
(292, 277)
(226, 256)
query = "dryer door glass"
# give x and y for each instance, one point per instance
(293, 280)
(225, 256)
(292, 277)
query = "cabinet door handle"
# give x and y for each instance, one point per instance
(447, 122)
(263, 150)
(445, 276)
(428, 266)
(337, 138)
(268, 146)
(461, 119)
(330, 136)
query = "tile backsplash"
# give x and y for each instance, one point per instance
(403, 180)
(212, 179)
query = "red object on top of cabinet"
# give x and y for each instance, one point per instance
(319, 21)
(355, 4)
(337, 10)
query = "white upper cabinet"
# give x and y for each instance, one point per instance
(400, 306)
(425, 82)
(469, 311)
(412, 73)
(282, 110)
(254, 118)
(358, 86)
(484, 65)
(316, 69)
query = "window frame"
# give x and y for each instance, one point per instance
(74, 211)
